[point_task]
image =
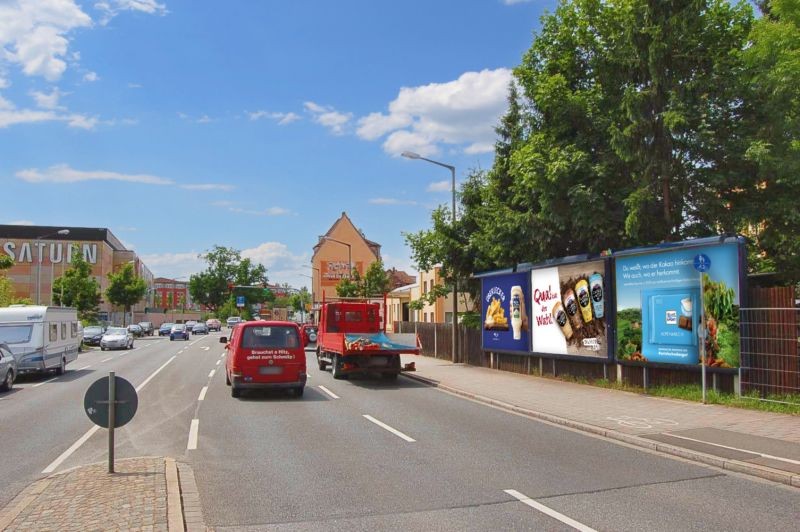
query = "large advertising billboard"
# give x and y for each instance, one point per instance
(568, 312)
(505, 300)
(659, 305)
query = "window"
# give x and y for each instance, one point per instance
(425, 287)
(354, 316)
(63, 330)
(74, 329)
(270, 337)
(53, 332)
(15, 334)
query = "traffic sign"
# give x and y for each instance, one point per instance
(239, 301)
(95, 402)
(702, 263)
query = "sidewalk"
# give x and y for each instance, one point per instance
(756, 443)
(151, 493)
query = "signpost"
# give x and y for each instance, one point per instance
(702, 263)
(110, 402)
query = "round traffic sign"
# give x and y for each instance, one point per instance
(702, 262)
(95, 402)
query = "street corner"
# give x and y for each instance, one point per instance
(142, 493)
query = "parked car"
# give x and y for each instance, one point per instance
(214, 324)
(116, 338)
(165, 329)
(200, 328)
(310, 333)
(233, 321)
(178, 331)
(147, 327)
(265, 355)
(190, 325)
(92, 334)
(136, 330)
(8, 368)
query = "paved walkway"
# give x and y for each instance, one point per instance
(142, 494)
(753, 442)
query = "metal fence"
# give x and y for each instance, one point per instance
(770, 359)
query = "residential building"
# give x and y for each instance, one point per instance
(441, 311)
(398, 303)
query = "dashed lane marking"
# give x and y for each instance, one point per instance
(324, 389)
(210, 375)
(390, 429)
(193, 430)
(203, 393)
(524, 499)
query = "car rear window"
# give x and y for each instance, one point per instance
(270, 337)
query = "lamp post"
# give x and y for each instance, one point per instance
(61, 232)
(349, 255)
(412, 155)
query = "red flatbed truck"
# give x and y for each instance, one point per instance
(352, 338)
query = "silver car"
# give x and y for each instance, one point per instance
(116, 338)
(8, 368)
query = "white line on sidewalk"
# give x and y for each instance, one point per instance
(203, 393)
(148, 379)
(106, 360)
(57, 462)
(763, 455)
(390, 429)
(192, 445)
(324, 389)
(549, 511)
(218, 362)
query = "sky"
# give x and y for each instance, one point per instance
(184, 124)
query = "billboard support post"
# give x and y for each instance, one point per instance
(703, 334)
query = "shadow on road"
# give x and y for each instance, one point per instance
(69, 376)
(280, 396)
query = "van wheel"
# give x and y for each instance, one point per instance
(298, 392)
(227, 379)
(235, 392)
(8, 383)
(62, 367)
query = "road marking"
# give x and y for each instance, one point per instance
(205, 348)
(218, 362)
(390, 429)
(324, 389)
(57, 462)
(222, 355)
(106, 360)
(148, 379)
(45, 382)
(763, 455)
(203, 393)
(84, 367)
(549, 511)
(210, 375)
(192, 445)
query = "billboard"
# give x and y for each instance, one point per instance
(568, 312)
(505, 300)
(660, 306)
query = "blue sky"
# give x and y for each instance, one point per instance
(252, 124)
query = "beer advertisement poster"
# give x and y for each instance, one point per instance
(660, 307)
(568, 310)
(505, 300)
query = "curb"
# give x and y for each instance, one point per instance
(192, 511)
(763, 472)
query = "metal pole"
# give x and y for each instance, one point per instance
(38, 272)
(455, 356)
(703, 333)
(112, 398)
(350, 261)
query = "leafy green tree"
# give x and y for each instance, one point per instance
(125, 289)
(227, 267)
(79, 289)
(375, 282)
(6, 262)
(170, 301)
(299, 299)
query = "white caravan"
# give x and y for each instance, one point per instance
(41, 338)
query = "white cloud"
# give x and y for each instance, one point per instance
(134, 85)
(329, 117)
(205, 119)
(4, 83)
(277, 211)
(47, 101)
(207, 186)
(173, 265)
(281, 118)
(513, 2)
(439, 186)
(10, 115)
(81, 121)
(21, 222)
(112, 8)
(5, 104)
(391, 201)
(460, 113)
(62, 173)
(91, 77)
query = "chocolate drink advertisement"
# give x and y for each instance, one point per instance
(568, 310)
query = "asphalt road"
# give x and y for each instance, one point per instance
(342, 456)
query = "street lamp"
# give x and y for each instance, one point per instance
(412, 155)
(61, 232)
(349, 255)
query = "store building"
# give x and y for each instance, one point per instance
(42, 253)
(173, 294)
(342, 243)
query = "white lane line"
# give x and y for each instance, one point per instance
(763, 455)
(192, 445)
(218, 362)
(203, 393)
(44, 382)
(212, 373)
(549, 511)
(57, 462)
(84, 367)
(205, 348)
(324, 389)
(148, 379)
(106, 360)
(222, 355)
(390, 429)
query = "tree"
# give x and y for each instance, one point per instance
(375, 282)
(170, 301)
(79, 289)
(125, 289)
(227, 267)
(299, 299)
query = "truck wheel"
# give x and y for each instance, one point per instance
(235, 392)
(321, 363)
(336, 371)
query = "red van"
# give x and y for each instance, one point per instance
(265, 355)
